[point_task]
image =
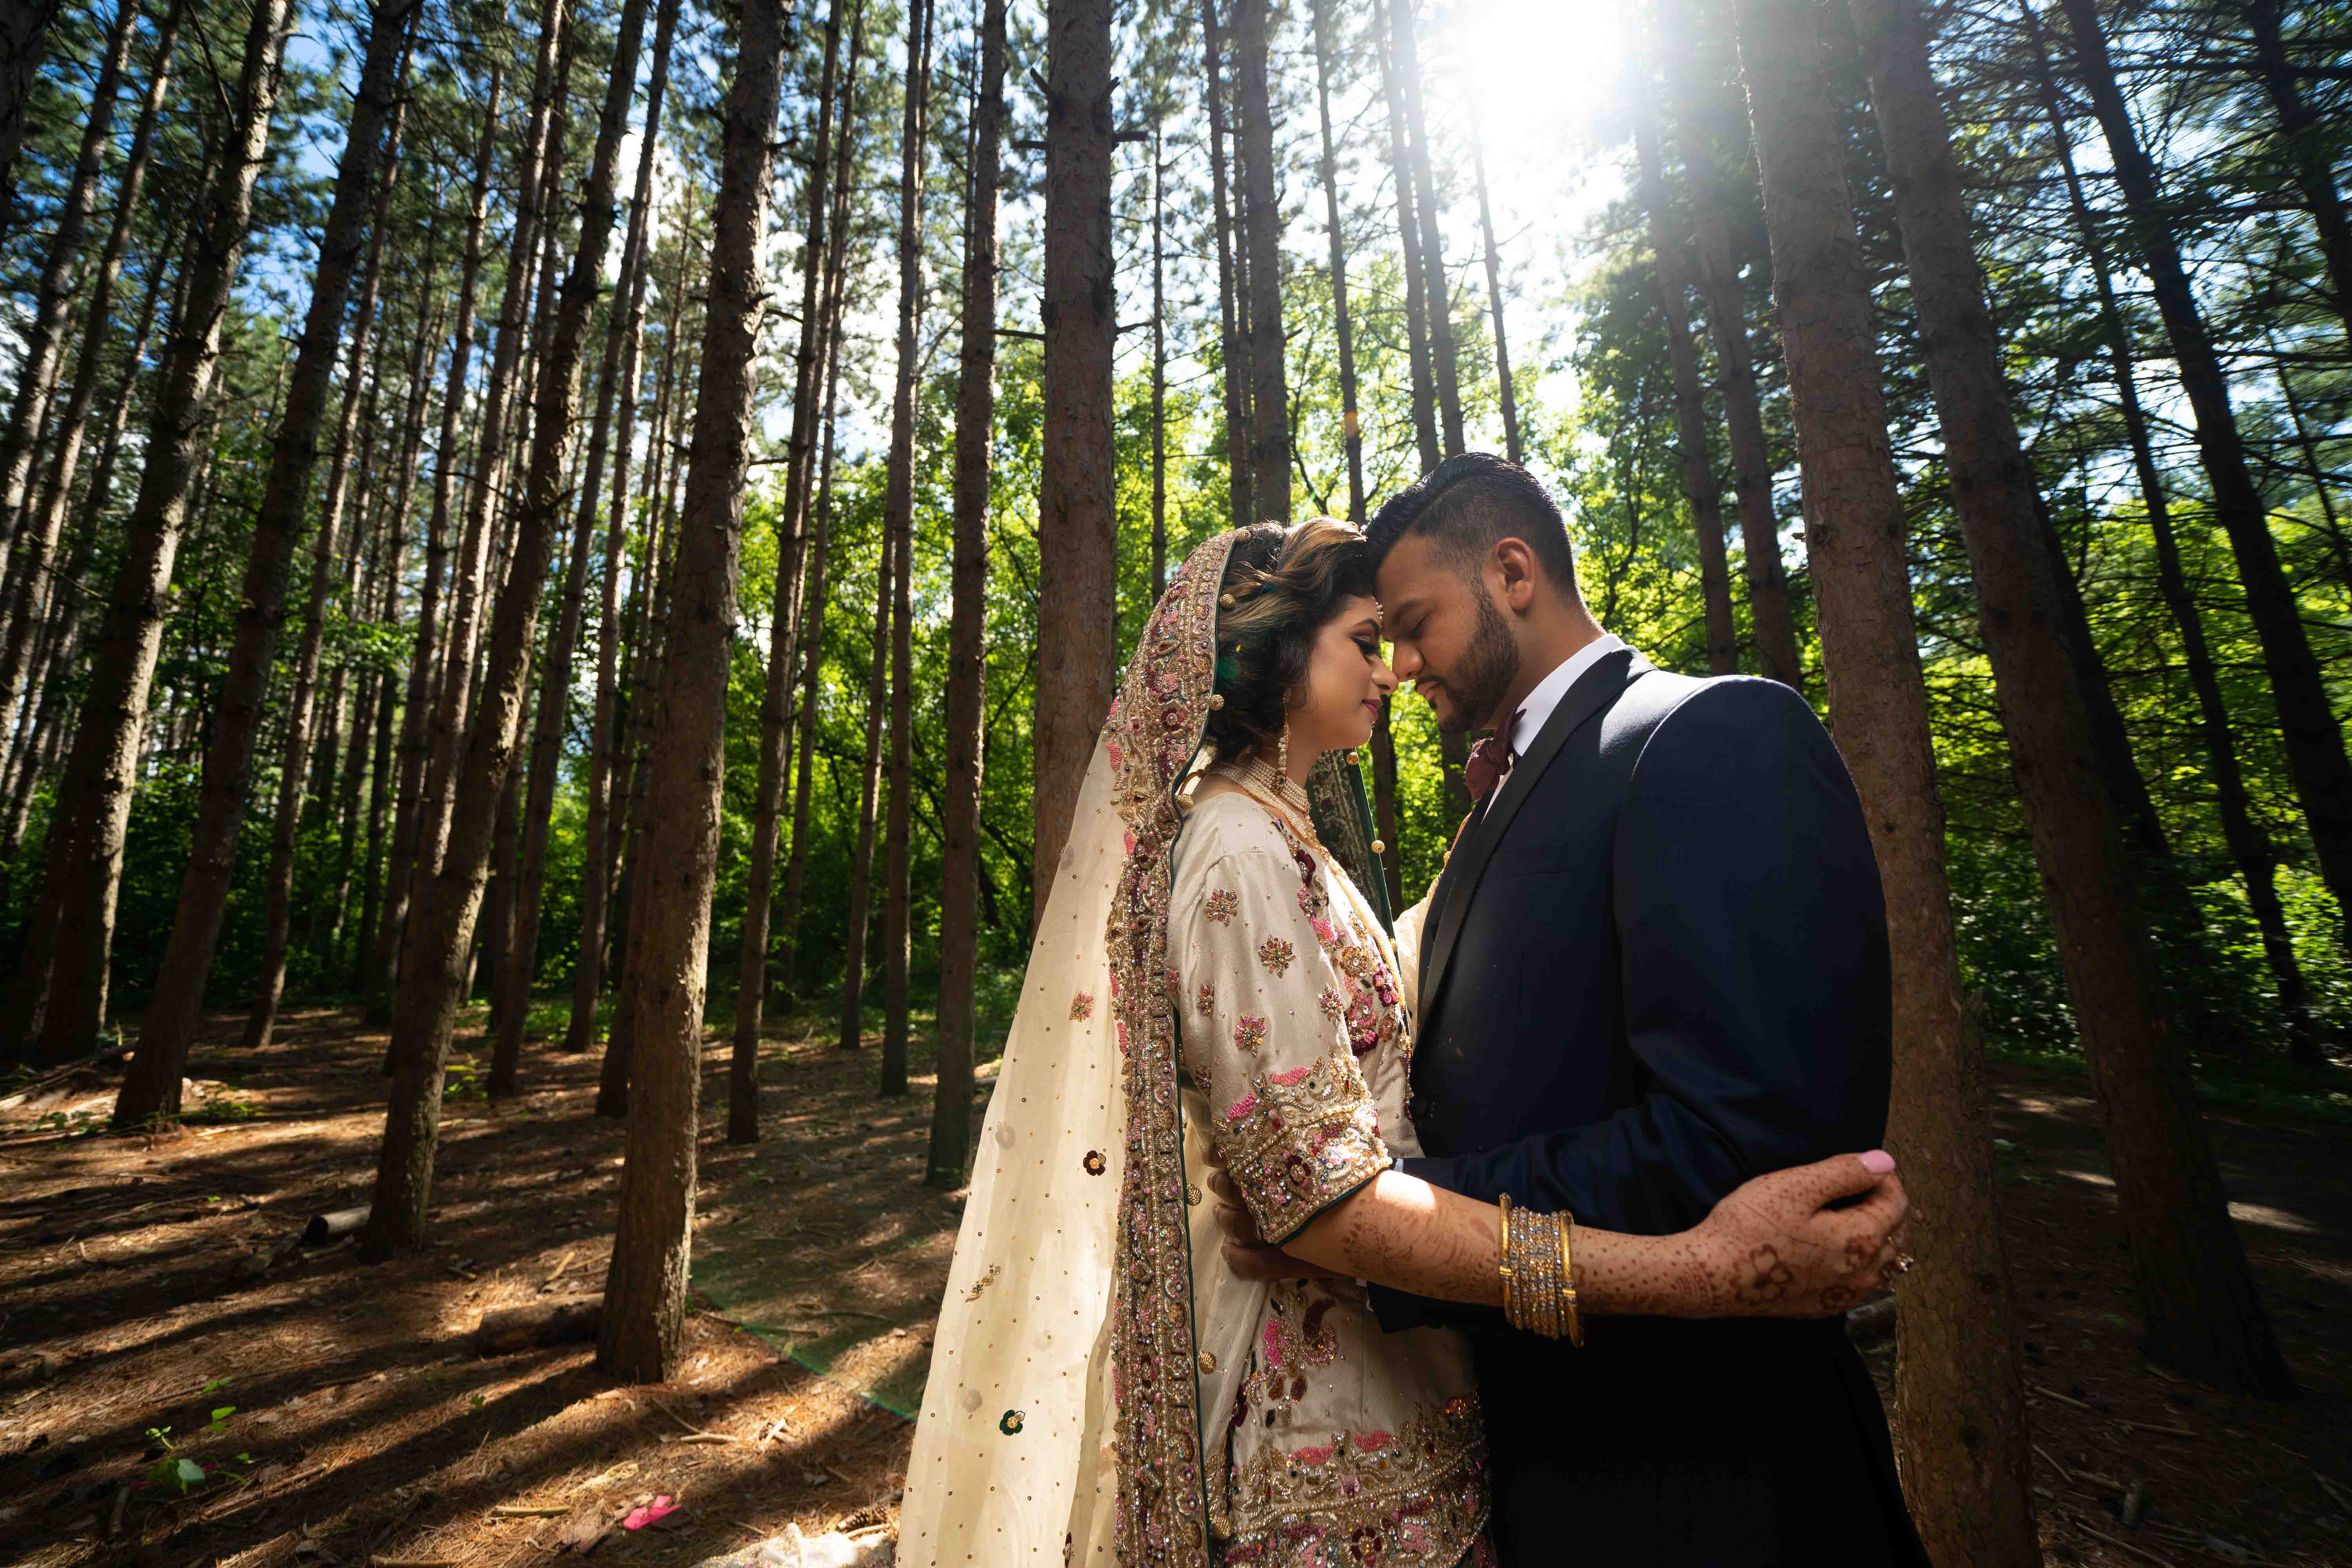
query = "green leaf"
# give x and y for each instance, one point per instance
(187, 1473)
(224, 1413)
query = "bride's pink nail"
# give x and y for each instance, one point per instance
(1878, 1162)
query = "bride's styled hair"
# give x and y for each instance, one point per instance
(1282, 587)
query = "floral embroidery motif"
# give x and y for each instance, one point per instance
(1094, 1162)
(1415, 1498)
(1249, 1035)
(1010, 1422)
(1332, 1004)
(1294, 1339)
(1082, 1007)
(1277, 955)
(983, 1283)
(1206, 999)
(1223, 906)
(1301, 1139)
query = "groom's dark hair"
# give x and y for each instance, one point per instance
(1469, 503)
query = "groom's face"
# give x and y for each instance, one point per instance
(1446, 634)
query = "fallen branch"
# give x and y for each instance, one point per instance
(325, 1227)
(2141, 1551)
(539, 1325)
(530, 1511)
(58, 1074)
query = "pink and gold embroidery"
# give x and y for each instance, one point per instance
(1332, 1004)
(1299, 1139)
(1277, 955)
(1205, 1000)
(1223, 906)
(1249, 1035)
(1082, 1007)
(1415, 1498)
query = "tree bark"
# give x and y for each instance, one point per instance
(1416, 302)
(644, 1324)
(44, 339)
(861, 865)
(1958, 1348)
(951, 1151)
(418, 699)
(2314, 741)
(1673, 271)
(1269, 453)
(23, 37)
(1713, 141)
(471, 584)
(1235, 376)
(1505, 391)
(1437, 293)
(61, 997)
(555, 678)
(425, 1014)
(2307, 139)
(783, 619)
(2248, 842)
(277, 901)
(898, 528)
(1077, 634)
(151, 1086)
(35, 552)
(835, 293)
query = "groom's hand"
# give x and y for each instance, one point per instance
(1246, 1252)
(1782, 1251)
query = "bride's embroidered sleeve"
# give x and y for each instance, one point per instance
(1267, 1037)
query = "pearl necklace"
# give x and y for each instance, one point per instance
(1259, 779)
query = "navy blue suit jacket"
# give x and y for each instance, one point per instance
(1655, 966)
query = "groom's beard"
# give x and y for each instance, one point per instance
(1489, 666)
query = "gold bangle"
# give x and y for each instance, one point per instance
(1504, 1267)
(1575, 1319)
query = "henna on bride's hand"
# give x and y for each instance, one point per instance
(1764, 1277)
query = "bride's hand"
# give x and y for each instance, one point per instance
(1772, 1247)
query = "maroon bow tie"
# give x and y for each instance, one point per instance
(1490, 760)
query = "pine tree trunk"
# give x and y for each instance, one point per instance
(1351, 434)
(2248, 842)
(472, 583)
(1429, 246)
(42, 353)
(1507, 394)
(1711, 138)
(951, 1151)
(151, 1086)
(1958, 1348)
(432, 611)
(1269, 453)
(835, 291)
(898, 528)
(783, 620)
(1077, 566)
(2315, 740)
(60, 998)
(1416, 302)
(861, 865)
(644, 1323)
(23, 37)
(277, 901)
(555, 679)
(425, 1014)
(1673, 271)
(2308, 139)
(35, 551)
(1235, 376)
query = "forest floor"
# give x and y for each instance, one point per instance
(356, 1425)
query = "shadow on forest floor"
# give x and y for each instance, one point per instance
(368, 1427)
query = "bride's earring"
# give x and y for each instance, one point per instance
(1282, 749)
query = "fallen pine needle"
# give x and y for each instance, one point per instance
(2141, 1551)
(2062, 1398)
(413, 1563)
(2064, 1474)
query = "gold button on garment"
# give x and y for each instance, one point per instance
(1193, 1193)
(1352, 761)
(1208, 1362)
(1379, 847)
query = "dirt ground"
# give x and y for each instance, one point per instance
(359, 1426)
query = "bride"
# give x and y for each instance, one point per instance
(1211, 996)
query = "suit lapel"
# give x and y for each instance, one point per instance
(1594, 690)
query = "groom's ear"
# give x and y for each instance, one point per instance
(1522, 574)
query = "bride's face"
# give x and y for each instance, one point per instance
(1347, 679)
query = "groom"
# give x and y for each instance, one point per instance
(1655, 965)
